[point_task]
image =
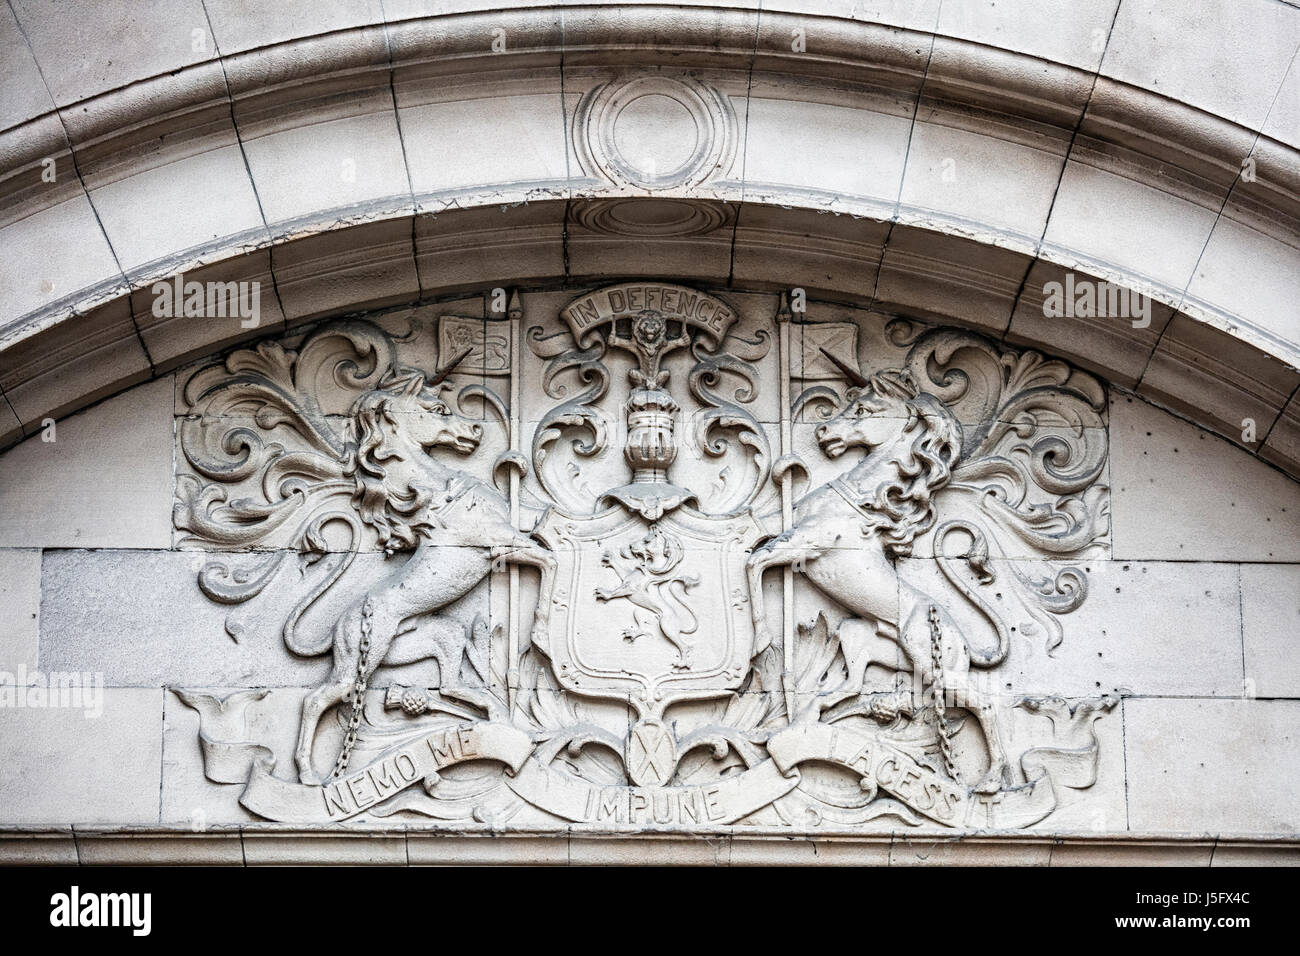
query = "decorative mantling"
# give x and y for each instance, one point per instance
(649, 685)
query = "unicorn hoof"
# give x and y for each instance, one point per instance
(993, 780)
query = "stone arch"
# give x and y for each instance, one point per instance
(911, 161)
(951, 168)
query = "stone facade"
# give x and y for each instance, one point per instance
(1141, 658)
(597, 456)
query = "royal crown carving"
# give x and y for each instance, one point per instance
(660, 559)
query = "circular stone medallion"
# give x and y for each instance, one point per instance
(656, 132)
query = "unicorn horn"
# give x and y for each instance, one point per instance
(855, 378)
(460, 357)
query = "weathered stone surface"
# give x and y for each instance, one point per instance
(42, 382)
(440, 849)
(128, 206)
(1282, 446)
(1091, 196)
(860, 147)
(125, 849)
(809, 250)
(1235, 245)
(1215, 766)
(1183, 374)
(535, 232)
(690, 852)
(906, 852)
(344, 163)
(268, 849)
(1119, 853)
(1120, 345)
(116, 755)
(126, 48)
(533, 123)
(1153, 41)
(105, 481)
(13, 429)
(1229, 508)
(25, 95)
(372, 263)
(55, 849)
(955, 172)
(979, 280)
(1138, 618)
(248, 308)
(1283, 122)
(53, 253)
(139, 617)
(1061, 30)
(239, 26)
(1270, 619)
(20, 606)
(1226, 854)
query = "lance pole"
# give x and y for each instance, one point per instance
(785, 477)
(515, 314)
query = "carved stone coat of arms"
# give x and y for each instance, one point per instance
(648, 558)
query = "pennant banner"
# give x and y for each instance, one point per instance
(720, 802)
(416, 761)
(885, 767)
(879, 764)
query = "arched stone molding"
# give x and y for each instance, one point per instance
(351, 162)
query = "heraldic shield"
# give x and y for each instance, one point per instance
(651, 612)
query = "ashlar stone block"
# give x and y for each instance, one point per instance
(115, 748)
(104, 482)
(1229, 507)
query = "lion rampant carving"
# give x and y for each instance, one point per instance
(454, 525)
(648, 577)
